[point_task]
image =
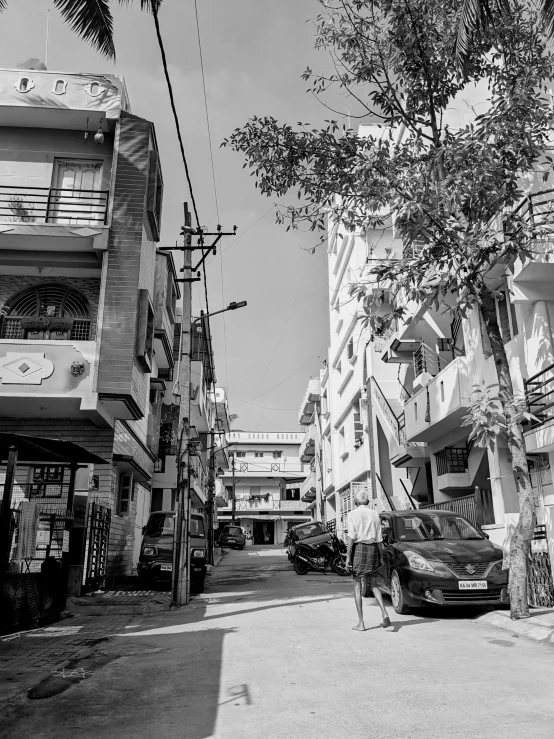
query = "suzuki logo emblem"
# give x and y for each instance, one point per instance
(470, 569)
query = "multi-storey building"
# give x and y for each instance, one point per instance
(393, 395)
(271, 486)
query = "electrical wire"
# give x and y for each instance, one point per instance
(174, 110)
(280, 336)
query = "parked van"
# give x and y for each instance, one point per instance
(156, 556)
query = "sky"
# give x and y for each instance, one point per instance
(254, 52)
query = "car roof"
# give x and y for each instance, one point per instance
(416, 511)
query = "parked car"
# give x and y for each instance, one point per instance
(156, 556)
(437, 557)
(232, 537)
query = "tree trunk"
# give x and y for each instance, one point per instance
(520, 545)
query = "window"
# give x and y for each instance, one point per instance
(24, 84)
(277, 455)
(59, 87)
(124, 493)
(258, 454)
(145, 331)
(154, 195)
(293, 494)
(241, 454)
(506, 315)
(451, 460)
(47, 312)
(350, 348)
(47, 481)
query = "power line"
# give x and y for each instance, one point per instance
(243, 233)
(173, 108)
(288, 376)
(265, 407)
(280, 335)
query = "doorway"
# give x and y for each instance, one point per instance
(76, 196)
(264, 532)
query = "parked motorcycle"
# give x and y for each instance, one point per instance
(320, 556)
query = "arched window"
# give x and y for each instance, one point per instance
(47, 312)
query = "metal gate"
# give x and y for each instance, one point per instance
(97, 543)
(539, 582)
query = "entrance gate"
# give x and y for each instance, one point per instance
(540, 584)
(97, 544)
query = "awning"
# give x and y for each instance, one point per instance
(44, 449)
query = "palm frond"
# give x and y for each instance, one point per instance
(476, 16)
(148, 5)
(92, 21)
(547, 11)
(3, 5)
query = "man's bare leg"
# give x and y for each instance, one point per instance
(358, 600)
(378, 595)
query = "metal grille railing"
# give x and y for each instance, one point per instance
(79, 330)
(427, 360)
(477, 508)
(53, 205)
(539, 396)
(451, 460)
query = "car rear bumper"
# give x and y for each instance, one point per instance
(154, 570)
(422, 589)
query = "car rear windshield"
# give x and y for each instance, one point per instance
(310, 529)
(232, 530)
(427, 527)
(160, 524)
(197, 527)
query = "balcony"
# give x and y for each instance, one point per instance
(308, 488)
(539, 399)
(477, 508)
(60, 219)
(536, 210)
(163, 339)
(311, 397)
(268, 469)
(306, 451)
(50, 379)
(439, 406)
(271, 504)
(452, 469)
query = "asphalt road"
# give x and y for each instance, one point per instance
(267, 653)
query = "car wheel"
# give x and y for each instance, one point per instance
(397, 594)
(300, 567)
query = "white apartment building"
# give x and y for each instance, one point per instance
(386, 411)
(269, 482)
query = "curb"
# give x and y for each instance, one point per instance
(523, 627)
(119, 610)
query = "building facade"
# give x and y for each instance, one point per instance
(268, 478)
(90, 326)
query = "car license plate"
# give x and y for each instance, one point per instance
(166, 568)
(472, 585)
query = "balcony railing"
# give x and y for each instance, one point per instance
(262, 467)
(538, 210)
(39, 490)
(477, 508)
(539, 396)
(43, 329)
(53, 205)
(245, 504)
(451, 460)
(427, 360)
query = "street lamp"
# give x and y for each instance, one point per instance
(232, 306)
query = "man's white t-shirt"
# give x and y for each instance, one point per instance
(364, 525)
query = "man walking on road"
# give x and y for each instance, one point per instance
(364, 554)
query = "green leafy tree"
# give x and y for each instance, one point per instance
(92, 20)
(446, 189)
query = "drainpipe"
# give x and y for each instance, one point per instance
(371, 435)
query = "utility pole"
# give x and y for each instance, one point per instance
(211, 496)
(181, 573)
(234, 495)
(180, 586)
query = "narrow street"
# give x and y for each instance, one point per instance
(265, 652)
